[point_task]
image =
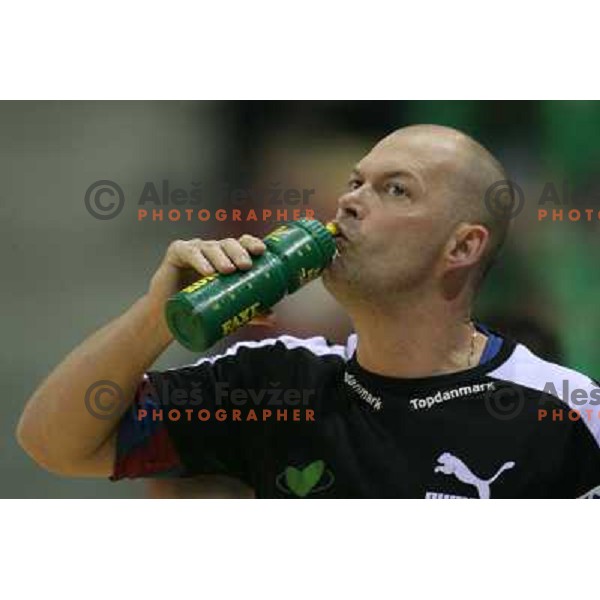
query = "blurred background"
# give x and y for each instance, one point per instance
(66, 273)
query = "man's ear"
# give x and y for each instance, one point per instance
(467, 245)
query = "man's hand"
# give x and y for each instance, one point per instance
(187, 261)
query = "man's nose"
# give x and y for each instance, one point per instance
(352, 204)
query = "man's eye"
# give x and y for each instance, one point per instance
(396, 189)
(354, 184)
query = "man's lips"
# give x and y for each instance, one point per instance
(342, 234)
(340, 241)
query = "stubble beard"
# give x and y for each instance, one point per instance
(352, 284)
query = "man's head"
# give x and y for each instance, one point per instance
(415, 218)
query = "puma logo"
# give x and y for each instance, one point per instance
(451, 465)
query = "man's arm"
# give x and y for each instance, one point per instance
(56, 428)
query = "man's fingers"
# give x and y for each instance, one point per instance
(236, 253)
(213, 251)
(185, 258)
(210, 256)
(186, 255)
(199, 262)
(253, 244)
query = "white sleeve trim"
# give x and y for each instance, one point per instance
(318, 345)
(526, 369)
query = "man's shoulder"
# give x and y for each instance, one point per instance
(555, 386)
(524, 367)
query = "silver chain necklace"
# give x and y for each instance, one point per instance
(473, 336)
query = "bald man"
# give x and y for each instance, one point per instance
(420, 402)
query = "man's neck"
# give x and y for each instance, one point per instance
(416, 341)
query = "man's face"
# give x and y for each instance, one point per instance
(396, 217)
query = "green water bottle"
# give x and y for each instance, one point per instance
(216, 305)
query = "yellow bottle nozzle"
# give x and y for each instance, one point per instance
(332, 228)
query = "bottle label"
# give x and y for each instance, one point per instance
(198, 284)
(245, 315)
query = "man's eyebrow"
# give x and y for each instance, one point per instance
(391, 173)
(399, 173)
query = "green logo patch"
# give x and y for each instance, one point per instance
(302, 481)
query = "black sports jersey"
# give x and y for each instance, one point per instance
(301, 418)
